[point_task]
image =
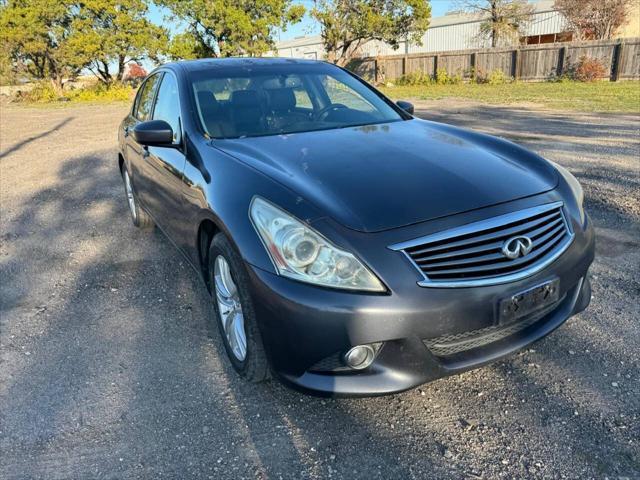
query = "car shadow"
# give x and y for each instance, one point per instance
(119, 372)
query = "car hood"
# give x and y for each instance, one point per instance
(377, 177)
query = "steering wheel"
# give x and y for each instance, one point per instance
(329, 108)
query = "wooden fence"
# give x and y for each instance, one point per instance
(621, 59)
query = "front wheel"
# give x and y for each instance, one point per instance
(234, 311)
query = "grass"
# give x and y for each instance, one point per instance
(585, 97)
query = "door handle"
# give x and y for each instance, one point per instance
(126, 131)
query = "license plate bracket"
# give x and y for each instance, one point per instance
(528, 301)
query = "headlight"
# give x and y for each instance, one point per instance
(301, 253)
(576, 188)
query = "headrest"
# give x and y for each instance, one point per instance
(282, 99)
(207, 101)
(244, 98)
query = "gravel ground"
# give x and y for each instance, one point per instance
(108, 368)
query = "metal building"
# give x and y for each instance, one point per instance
(455, 31)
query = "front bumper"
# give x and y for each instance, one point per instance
(303, 325)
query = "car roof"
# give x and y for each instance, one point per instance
(237, 62)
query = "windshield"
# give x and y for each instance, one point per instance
(259, 101)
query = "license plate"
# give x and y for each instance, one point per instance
(530, 301)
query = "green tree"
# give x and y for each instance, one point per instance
(39, 35)
(503, 20)
(113, 33)
(348, 24)
(229, 27)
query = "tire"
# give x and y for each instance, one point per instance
(253, 365)
(139, 217)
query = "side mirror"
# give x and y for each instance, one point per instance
(153, 133)
(406, 106)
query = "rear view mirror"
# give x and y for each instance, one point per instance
(153, 133)
(406, 106)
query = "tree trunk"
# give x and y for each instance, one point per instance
(121, 67)
(105, 75)
(494, 22)
(55, 75)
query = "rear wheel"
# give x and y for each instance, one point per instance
(139, 217)
(234, 311)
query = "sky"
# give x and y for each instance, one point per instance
(306, 27)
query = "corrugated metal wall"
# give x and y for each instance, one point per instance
(438, 38)
(544, 23)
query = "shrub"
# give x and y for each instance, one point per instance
(498, 77)
(42, 92)
(101, 93)
(587, 70)
(495, 77)
(456, 79)
(134, 75)
(415, 78)
(442, 77)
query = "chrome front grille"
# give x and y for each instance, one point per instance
(473, 254)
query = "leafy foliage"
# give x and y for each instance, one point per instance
(495, 77)
(587, 70)
(415, 78)
(135, 71)
(229, 27)
(348, 24)
(504, 19)
(595, 19)
(40, 35)
(44, 92)
(57, 39)
(115, 33)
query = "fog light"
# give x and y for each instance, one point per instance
(359, 357)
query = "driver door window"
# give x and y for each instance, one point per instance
(167, 106)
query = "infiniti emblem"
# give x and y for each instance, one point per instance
(517, 247)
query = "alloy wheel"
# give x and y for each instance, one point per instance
(230, 308)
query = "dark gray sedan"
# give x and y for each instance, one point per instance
(350, 248)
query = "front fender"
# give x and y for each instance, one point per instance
(220, 189)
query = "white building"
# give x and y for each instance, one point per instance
(455, 31)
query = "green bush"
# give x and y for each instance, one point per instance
(101, 93)
(498, 77)
(495, 77)
(43, 92)
(456, 79)
(415, 78)
(442, 77)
